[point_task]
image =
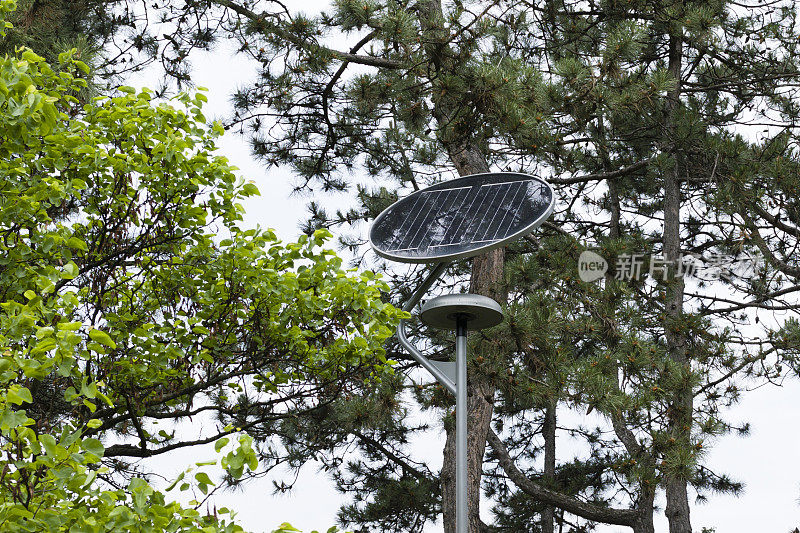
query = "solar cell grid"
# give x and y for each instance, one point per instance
(431, 208)
(485, 213)
(508, 214)
(495, 212)
(475, 212)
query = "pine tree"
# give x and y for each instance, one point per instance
(647, 117)
(52, 27)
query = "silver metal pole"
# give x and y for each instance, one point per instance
(462, 525)
(459, 389)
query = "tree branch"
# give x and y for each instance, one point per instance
(589, 511)
(342, 56)
(762, 245)
(603, 175)
(369, 441)
(775, 221)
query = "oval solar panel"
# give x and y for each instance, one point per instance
(462, 217)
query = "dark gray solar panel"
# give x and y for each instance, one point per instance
(462, 217)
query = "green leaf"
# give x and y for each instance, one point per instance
(93, 446)
(221, 443)
(49, 444)
(69, 271)
(202, 477)
(12, 419)
(285, 527)
(250, 189)
(18, 395)
(102, 337)
(74, 242)
(177, 480)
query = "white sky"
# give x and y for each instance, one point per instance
(768, 461)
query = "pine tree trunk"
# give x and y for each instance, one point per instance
(644, 524)
(680, 422)
(549, 433)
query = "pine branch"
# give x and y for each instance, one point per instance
(747, 361)
(775, 221)
(369, 441)
(762, 245)
(589, 511)
(603, 175)
(738, 306)
(342, 56)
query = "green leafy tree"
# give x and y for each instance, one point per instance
(131, 299)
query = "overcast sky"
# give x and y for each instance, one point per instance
(768, 461)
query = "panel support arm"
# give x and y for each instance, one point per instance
(412, 302)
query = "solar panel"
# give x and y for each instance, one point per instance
(461, 218)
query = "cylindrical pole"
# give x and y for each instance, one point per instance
(461, 426)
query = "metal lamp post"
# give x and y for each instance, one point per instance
(461, 312)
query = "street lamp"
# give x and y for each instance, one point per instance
(453, 220)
